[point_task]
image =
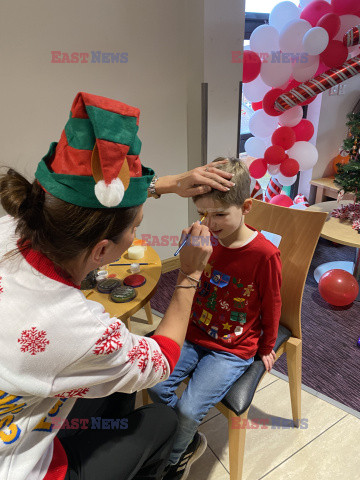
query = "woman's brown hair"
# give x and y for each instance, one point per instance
(58, 229)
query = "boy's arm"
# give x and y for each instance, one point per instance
(269, 291)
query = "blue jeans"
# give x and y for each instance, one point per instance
(214, 372)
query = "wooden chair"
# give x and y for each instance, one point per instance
(300, 231)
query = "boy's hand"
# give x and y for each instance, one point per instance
(269, 360)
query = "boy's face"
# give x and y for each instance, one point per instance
(222, 220)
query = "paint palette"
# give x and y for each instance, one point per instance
(134, 281)
(108, 285)
(123, 294)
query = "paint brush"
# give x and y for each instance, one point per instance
(186, 238)
(124, 264)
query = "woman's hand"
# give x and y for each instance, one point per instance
(198, 181)
(197, 250)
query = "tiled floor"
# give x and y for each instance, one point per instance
(326, 449)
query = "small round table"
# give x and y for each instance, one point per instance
(339, 232)
(151, 272)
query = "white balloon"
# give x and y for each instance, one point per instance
(292, 34)
(283, 13)
(315, 40)
(255, 147)
(305, 71)
(275, 73)
(286, 181)
(262, 125)
(347, 22)
(305, 153)
(254, 91)
(264, 38)
(291, 117)
(273, 169)
(305, 3)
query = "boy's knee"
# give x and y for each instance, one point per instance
(158, 394)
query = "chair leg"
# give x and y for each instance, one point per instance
(148, 312)
(236, 443)
(127, 322)
(293, 357)
(145, 397)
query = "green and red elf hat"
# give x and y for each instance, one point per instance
(96, 162)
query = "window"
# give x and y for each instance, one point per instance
(252, 21)
(256, 14)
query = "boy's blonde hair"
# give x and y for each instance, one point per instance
(237, 194)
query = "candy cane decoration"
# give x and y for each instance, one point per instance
(274, 188)
(317, 85)
(352, 37)
(256, 190)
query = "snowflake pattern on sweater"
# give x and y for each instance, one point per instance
(33, 341)
(140, 352)
(110, 340)
(158, 362)
(76, 393)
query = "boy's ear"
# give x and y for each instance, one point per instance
(247, 206)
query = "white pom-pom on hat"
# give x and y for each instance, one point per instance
(110, 195)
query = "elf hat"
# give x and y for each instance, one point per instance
(96, 162)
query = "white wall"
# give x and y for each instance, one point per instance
(224, 33)
(36, 95)
(216, 29)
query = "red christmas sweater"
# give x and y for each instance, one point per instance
(238, 298)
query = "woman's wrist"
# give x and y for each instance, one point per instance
(192, 277)
(166, 184)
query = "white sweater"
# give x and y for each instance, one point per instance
(56, 346)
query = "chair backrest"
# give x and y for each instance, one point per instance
(300, 231)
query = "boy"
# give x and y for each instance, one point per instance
(238, 299)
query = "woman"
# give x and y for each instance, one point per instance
(81, 212)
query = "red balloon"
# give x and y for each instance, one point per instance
(284, 137)
(274, 155)
(282, 200)
(251, 67)
(342, 7)
(258, 168)
(293, 84)
(335, 54)
(289, 167)
(256, 106)
(303, 131)
(338, 287)
(322, 68)
(331, 23)
(269, 101)
(315, 10)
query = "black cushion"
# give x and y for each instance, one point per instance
(239, 397)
